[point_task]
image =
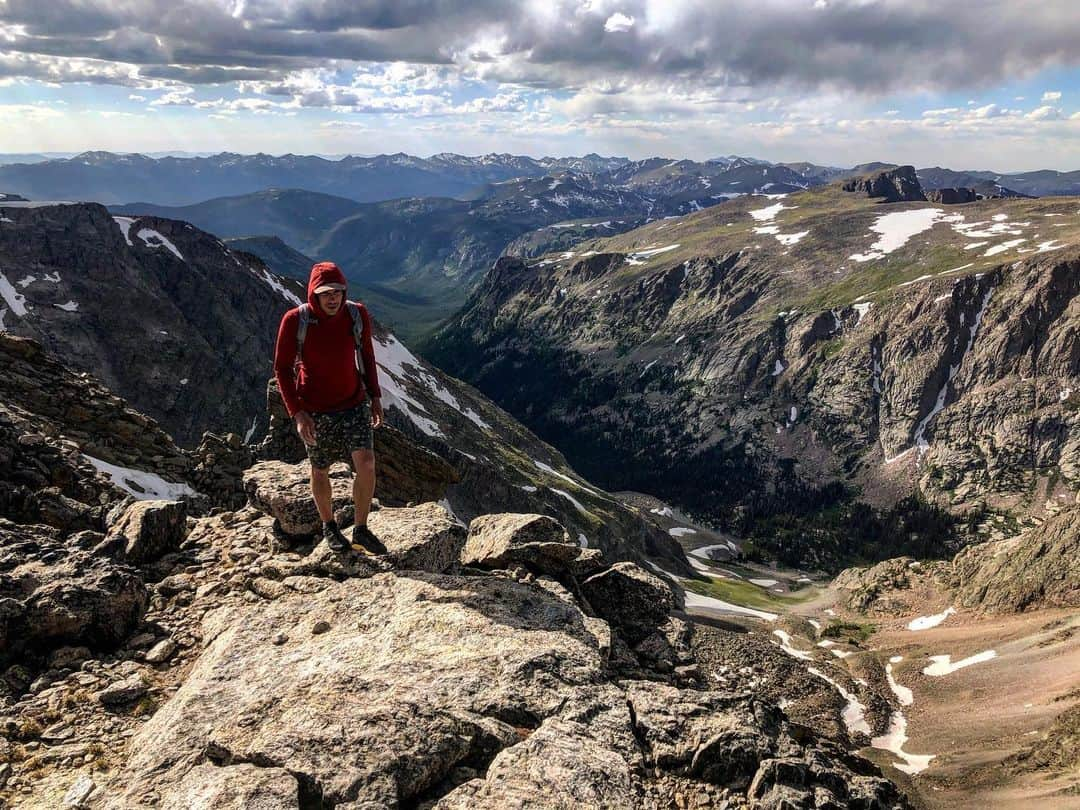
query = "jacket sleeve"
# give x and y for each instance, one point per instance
(284, 357)
(367, 353)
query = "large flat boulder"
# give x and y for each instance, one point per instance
(538, 542)
(415, 676)
(424, 537)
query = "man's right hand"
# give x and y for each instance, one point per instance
(305, 426)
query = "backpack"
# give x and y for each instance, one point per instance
(357, 330)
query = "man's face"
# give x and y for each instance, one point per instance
(330, 302)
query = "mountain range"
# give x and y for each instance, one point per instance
(112, 178)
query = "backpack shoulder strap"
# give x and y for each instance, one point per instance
(304, 311)
(358, 333)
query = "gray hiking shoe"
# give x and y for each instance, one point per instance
(333, 537)
(366, 542)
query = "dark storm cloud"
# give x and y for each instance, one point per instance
(861, 45)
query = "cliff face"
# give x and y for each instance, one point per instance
(163, 313)
(764, 359)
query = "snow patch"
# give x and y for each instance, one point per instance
(996, 249)
(943, 664)
(580, 506)
(70, 306)
(280, 288)
(16, 301)
(125, 227)
(144, 486)
(768, 214)
(896, 229)
(785, 645)
(903, 694)
(926, 622)
(152, 238)
(894, 740)
(680, 531)
(854, 713)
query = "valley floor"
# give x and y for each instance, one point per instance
(975, 718)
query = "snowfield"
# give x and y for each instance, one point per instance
(896, 229)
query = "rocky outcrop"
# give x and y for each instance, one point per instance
(952, 196)
(146, 530)
(893, 185)
(629, 598)
(440, 689)
(284, 492)
(54, 592)
(55, 417)
(1037, 569)
(218, 465)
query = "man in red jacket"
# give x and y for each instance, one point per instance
(330, 387)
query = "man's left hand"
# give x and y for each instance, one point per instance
(376, 413)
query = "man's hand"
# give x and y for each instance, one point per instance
(305, 426)
(376, 413)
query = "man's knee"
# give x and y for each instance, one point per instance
(364, 459)
(320, 474)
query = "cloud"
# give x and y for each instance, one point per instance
(871, 47)
(1045, 113)
(618, 22)
(1052, 95)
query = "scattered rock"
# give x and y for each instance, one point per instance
(161, 652)
(80, 792)
(122, 692)
(150, 529)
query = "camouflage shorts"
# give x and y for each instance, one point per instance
(338, 434)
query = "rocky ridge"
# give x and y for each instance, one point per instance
(173, 659)
(166, 315)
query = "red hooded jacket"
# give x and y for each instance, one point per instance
(327, 378)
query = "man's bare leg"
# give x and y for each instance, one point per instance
(363, 484)
(320, 491)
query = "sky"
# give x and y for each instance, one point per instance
(968, 84)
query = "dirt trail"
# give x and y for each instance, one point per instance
(974, 718)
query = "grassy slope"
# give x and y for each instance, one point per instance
(818, 271)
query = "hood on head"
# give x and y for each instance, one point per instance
(322, 273)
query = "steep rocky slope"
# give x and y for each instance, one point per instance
(165, 658)
(795, 369)
(163, 313)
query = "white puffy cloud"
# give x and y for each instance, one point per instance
(618, 22)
